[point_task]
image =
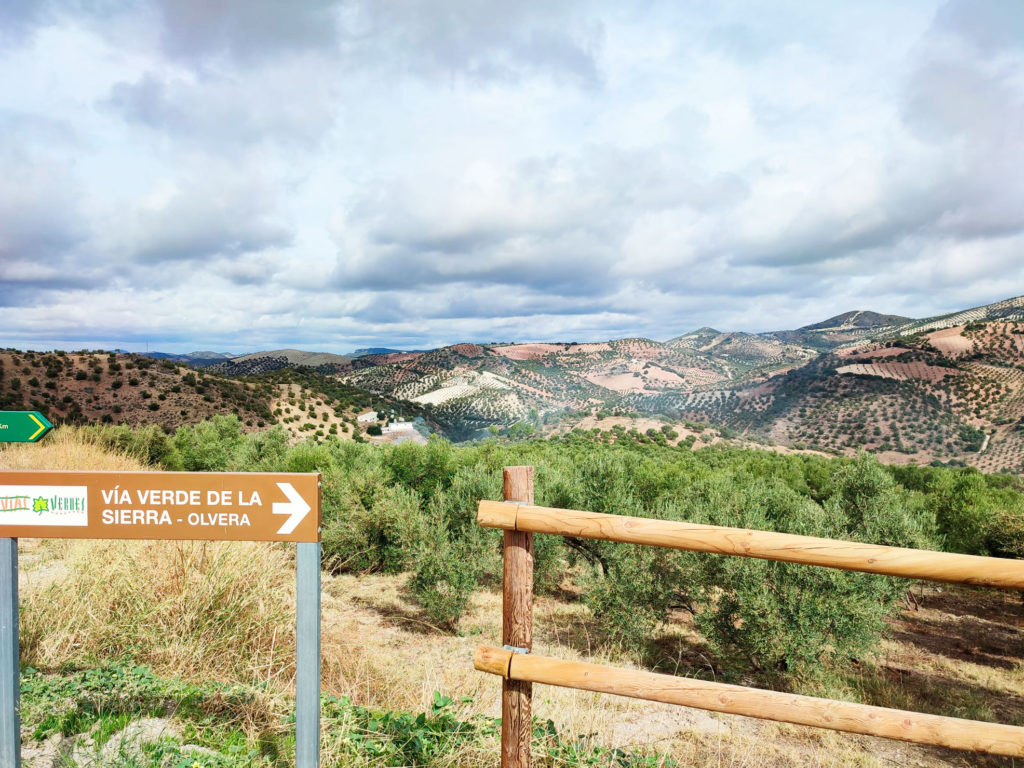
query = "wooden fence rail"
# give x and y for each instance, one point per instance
(766, 705)
(520, 518)
(766, 545)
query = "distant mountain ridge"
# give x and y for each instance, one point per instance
(842, 329)
(857, 319)
(364, 351)
(266, 362)
(846, 328)
(198, 359)
(1006, 310)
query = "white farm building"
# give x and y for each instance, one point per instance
(367, 418)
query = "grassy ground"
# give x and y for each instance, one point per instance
(202, 634)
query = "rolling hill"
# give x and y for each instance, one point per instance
(115, 388)
(265, 362)
(844, 329)
(944, 389)
(469, 386)
(947, 389)
(138, 390)
(947, 393)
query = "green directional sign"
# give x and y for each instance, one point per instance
(23, 426)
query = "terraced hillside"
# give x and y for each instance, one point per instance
(949, 395)
(468, 387)
(911, 390)
(276, 360)
(746, 354)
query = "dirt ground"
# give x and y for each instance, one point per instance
(957, 648)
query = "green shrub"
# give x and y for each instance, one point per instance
(445, 578)
(636, 592)
(149, 444)
(384, 537)
(422, 468)
(769, 616)
(262, 451)
(1004, 533)
(209, 445)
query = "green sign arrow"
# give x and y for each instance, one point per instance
(23, 426)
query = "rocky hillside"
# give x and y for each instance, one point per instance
(117, 388)
(101, 387)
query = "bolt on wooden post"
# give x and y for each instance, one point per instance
(517, 624)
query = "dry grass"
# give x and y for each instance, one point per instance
(65, 448)
(199, 610)
(381, 651)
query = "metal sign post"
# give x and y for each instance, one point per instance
(10, 673)
(307, 649)
(210, 506)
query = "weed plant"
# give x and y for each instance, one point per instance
(237, 726)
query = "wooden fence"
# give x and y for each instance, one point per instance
(519, 669)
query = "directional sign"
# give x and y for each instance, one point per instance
(219, 506)
(23, 426)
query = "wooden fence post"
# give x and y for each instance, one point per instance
(517, 625)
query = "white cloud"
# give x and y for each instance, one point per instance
(334, 175)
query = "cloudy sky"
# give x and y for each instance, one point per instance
(250, 174)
